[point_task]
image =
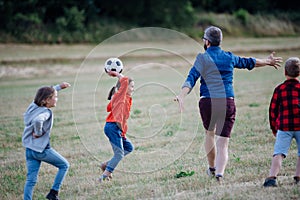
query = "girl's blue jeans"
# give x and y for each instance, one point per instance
(33, 163)
(121, 146)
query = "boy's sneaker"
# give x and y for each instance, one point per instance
(52, 195)
(211, 172)
(297, 180)
(103, 167)
(270, 182)
(103, 178)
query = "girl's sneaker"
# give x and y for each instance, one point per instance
(297, 180)
(52, 195)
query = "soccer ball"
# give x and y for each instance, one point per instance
(113, 64)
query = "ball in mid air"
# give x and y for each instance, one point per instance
(113, 64)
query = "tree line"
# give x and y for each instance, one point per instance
(82, 16)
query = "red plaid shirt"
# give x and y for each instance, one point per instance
(284, 110)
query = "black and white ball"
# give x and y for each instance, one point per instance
(113, 64)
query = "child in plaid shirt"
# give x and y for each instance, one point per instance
(284, 117)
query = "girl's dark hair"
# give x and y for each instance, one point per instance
(113, 89)
(43, 94)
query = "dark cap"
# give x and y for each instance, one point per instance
(213, 35)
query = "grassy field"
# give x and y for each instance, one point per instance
(166, 141)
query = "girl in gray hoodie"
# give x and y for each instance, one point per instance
(38, 120)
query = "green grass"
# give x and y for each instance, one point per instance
(169, 160)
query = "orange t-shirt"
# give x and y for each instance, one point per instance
(119, 106)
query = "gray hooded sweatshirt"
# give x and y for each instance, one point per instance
(37, 119)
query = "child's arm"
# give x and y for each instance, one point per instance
(120, 95)
(118, 100)
(61, 86)
(273, 112)
(38, 123)
(119, 109)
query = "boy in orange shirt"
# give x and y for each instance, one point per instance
(116, 122)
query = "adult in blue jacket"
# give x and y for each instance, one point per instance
(215, 69)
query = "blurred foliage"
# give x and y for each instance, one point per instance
(242, 15)
(72, 20)
(94, 20)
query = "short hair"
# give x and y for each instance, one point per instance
(214, 35)
(43, 94)
(292, 67)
